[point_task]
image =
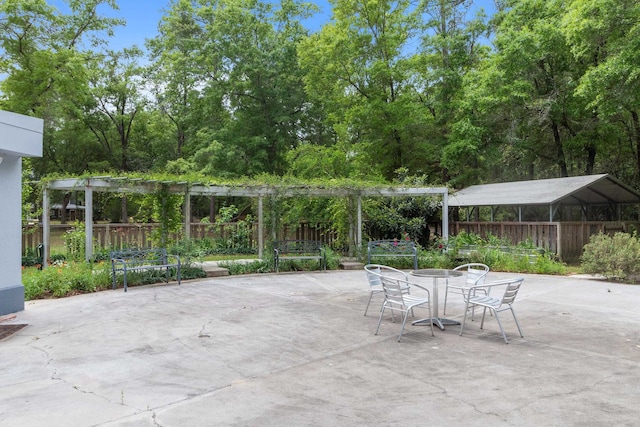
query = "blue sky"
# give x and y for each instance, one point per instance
(142, 18)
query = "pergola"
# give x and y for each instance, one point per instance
(188, 190)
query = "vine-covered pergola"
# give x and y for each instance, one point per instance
(129, 185)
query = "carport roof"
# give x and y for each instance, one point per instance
(592, 190)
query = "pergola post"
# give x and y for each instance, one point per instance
(445, 215)
(46, 226)
(359, 226)
(187, 215)
(88, 223)
(260, 228)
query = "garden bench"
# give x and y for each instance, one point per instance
(393, 248)
(299, 249)
(142, 260)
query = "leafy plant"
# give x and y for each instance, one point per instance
(500, 254)
(74, 242)
(239, 240)
(388, 218)
(257, 266)
(64, 279)
(616, 257)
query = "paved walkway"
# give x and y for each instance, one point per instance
(295, 349)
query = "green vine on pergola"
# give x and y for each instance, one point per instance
(260, 187)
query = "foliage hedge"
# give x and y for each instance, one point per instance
(614, 257)
(65, 278)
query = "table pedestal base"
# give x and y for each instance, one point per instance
(439, 322)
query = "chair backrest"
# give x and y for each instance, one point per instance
(374, 275)
(511, 291)
(375, 272)
(393, 290)
(476, 273)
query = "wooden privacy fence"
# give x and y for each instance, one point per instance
(565, 239)
(120, 236)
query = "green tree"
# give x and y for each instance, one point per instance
(115, 100)
(257, 78)
(178, 76)
(361, 68)
(528, 88)
(451, 50)
(43, 57)
(605, 35)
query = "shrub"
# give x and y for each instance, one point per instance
(188, 271)
(74, 241)
(31, 258)
(434, 259)
(257, 266)
(616, 257)
(64, 279)
(501, 255)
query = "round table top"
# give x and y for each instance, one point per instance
(436, 272)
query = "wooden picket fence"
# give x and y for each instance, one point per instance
(565, 239)
(120, 236)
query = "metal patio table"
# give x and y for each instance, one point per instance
(436, 273)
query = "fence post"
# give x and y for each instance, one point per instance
(559, 240)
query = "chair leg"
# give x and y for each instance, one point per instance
(517, 323)
(501, 328)
(484, 312)
(404, 320)
(464, 319)
(380, 318)
(473, 309)
(368, 302)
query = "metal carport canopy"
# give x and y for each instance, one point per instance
(148, 186)
(600, 189)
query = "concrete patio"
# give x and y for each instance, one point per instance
(295, 349)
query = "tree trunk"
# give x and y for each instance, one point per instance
(636, 138)
(562, 162)
(212, 209)
(124, 217)
(591, 159)
(63, 212)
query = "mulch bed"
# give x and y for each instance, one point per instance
(7, 330)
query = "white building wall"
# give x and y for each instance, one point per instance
(20, 136)
(10, 220)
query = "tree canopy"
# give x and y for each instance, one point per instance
(240, 88)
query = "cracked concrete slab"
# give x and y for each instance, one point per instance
(295, 349)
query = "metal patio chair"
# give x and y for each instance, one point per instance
(374, 273)
(495, 304)
(398, 299)
(475, 274)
